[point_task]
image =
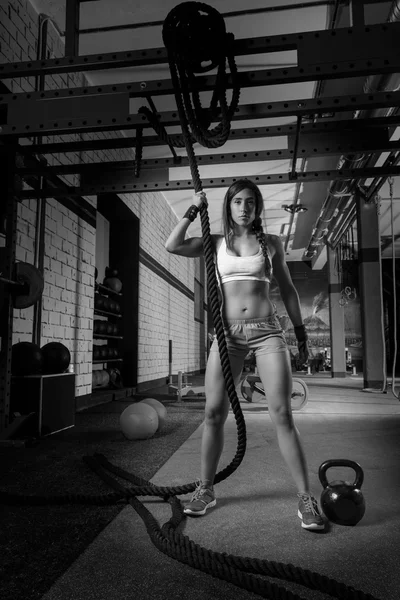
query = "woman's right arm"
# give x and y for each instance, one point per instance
(176, 243)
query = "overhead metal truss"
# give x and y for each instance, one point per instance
(113, 169)
(317, 128)
(111, 112)
(314, 48)
(158, 180)
(140, 89)
(357, 51)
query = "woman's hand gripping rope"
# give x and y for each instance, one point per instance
(199, 199)
(302, 343)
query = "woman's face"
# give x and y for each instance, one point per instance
(243, 208)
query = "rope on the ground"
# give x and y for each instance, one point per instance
(241, 571)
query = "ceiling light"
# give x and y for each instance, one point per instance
(294, 208)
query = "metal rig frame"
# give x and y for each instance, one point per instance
(42, 113)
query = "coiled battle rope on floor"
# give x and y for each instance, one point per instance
(239, 570)
(191, 29)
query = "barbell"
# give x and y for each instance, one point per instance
(252, 391)
(27, 286)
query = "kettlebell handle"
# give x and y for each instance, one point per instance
(344, 462)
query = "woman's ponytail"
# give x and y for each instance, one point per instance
(259, 231)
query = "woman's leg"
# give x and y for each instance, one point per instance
(276, 376)
(216, 413)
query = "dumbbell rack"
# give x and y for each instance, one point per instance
(112, 316)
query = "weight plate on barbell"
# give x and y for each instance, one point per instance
(253, 391)
(29, 275)
(299, 394)
(249, 393)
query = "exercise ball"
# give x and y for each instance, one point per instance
(160, 408)
(139, 421)
(56, 357)
(26, 359)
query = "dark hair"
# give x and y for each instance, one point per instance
(228, 223)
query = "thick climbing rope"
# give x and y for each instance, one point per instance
(194, 34)
(199, 26)
(184, 19)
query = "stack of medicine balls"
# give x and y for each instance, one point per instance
(29, 359)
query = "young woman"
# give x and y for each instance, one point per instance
(246, 259)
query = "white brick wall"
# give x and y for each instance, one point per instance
(164, 313)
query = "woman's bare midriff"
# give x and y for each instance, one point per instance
(246, 300)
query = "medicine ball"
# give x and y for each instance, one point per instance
(103, 351)
(111, 272)
(106, 378)
(26, 359)
(98, 301)
(95, 378)
(113, 283)
(115, 378)
(56, 357)
(102, 327)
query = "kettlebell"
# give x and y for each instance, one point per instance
(342, 502)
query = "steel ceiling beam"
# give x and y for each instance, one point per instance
(154, 56)
(158, 180)
(29, 117)
(237, 13)
(114, 167)
(328, 126)
(350, 47)
(263, 77)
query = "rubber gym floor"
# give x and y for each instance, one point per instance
(255, 516)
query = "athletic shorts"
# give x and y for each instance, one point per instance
(264, 336)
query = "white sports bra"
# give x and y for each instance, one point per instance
(241, 268)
